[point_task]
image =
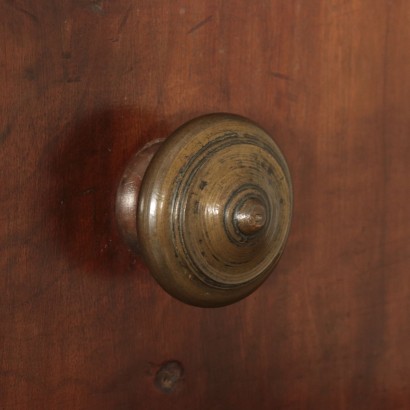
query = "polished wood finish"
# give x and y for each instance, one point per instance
(84, 85)
(211, 211)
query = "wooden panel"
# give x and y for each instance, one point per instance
(85, 84)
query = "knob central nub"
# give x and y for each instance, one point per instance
(250, 217)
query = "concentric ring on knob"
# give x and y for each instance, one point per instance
(214, 210)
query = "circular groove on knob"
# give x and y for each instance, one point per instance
(214, 210)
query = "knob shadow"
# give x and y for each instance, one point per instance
(87, 160)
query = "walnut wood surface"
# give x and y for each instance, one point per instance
(86, 84)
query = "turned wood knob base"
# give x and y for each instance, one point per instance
(209, 208)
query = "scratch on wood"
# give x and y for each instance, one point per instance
(32, 16)
(97, 6)
(88, 191)
(124, 19)
(281, 76)
(200, 24)
(5, 133)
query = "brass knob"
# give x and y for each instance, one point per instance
(209, 208)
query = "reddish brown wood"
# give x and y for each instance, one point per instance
(85, 84)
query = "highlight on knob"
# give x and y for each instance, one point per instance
(209, 208)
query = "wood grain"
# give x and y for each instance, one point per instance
(87, 83)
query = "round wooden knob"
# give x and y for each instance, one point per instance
(209, 208)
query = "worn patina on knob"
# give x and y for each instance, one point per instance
(209, 208)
